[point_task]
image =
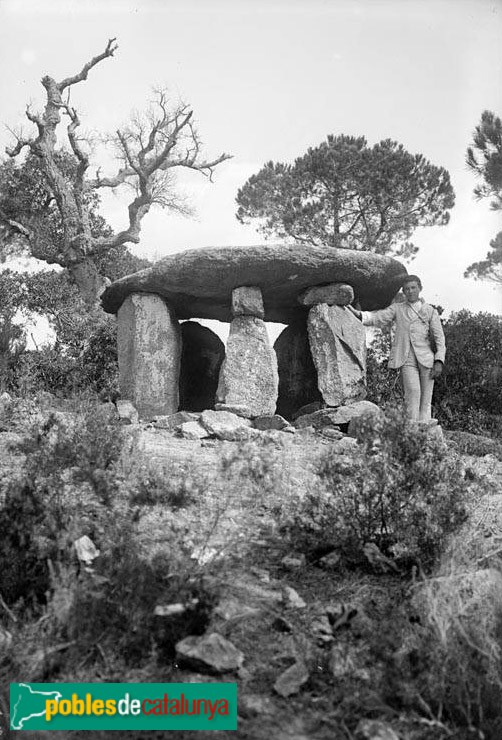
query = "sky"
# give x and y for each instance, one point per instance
(266, 80)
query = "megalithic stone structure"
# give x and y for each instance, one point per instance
(337, 344)
(149, 352)
(248, 377)
(247, 286)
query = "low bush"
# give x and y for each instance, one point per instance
(401, 490)
(459, 639)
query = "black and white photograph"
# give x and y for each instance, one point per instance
(251, 369)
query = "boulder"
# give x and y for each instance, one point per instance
(338, 346)
(291, 681)
(337, 417)
(224, 425)
(126, 411)
(149, 351)
(201, 357)
(336, 294)
(198, 283)
(248, 375)
(265, 423)
(297, 372)
(193, 430)
(210, 652)
(247, 301)
(173, 421)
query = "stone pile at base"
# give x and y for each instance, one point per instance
(165, 366)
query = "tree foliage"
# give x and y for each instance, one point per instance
(484, 158)
(344, 193)
(59, 221)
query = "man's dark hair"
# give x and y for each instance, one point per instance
(412, 279)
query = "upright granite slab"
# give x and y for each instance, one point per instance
(198, 283)
(297, 372)
(201, 358)
(248, 376)
(149, 351)
(337, 343)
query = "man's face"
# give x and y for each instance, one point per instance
(411, 291)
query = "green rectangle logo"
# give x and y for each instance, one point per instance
(123, 706)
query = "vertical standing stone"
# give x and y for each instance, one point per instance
(201, 358)
(297, 372)
(337, 343)
(248, 377)
(149, 351)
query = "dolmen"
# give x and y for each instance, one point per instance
(165, 365)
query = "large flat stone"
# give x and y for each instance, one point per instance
(337, 343)
(199, 283)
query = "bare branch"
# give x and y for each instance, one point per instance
(111, 48)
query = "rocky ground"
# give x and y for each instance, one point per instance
(313, 646)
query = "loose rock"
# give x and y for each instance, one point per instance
(291, 681)
(211, 652)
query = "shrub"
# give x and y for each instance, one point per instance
(67, 485)
(471, 379)
(402, 490)
(459, 639)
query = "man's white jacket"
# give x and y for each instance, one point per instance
(412, 322)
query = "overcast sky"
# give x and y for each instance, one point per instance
(267, 79)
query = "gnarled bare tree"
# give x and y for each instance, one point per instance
(149, 149)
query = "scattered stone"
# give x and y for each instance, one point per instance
(346, 413)
(236, 408)
(319, 419)
(86, 550)
(374, 729)
(255, 705)
(225, 425)
(149, 352)
(265, 423)
(343, 663)
(262, 574)
(297, 373)
(193, 430)
(211, 652)
(292, 599)
(332, 433)
(5, 639)
(294, 562)
(173, 421)
(378, 560)
(331, 561)
(201, 357)
(289, 429)
(345, 446)
(232, 610)
(309, 408)
(199, 282)
(291, 681)
(336, 294)
(338, 346)
(322, 630)
(126, 411)
(248, 374)
(174, 610)
(247, 301)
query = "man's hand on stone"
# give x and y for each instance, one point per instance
(355, 312)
